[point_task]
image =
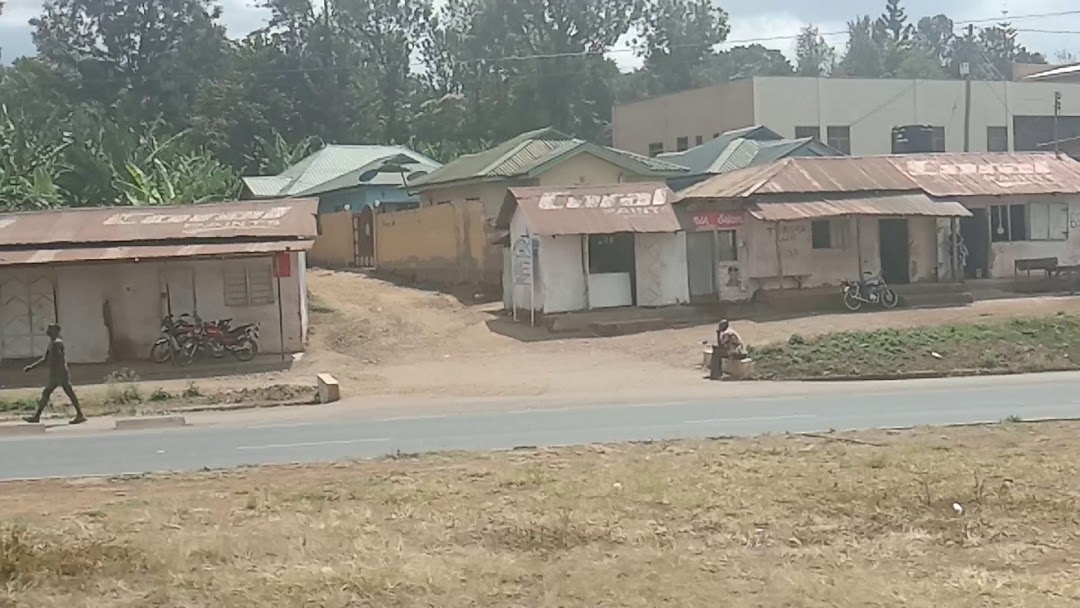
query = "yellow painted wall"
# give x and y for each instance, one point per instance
(335, 246)
(441, 244)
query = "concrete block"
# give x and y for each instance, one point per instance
(20, 429)
(329, 390)
(149, 422)
(739, 370)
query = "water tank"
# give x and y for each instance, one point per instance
(912, 139)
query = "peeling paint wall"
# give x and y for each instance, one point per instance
(1003, 255)
(443, 245)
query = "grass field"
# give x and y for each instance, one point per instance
(1019, 345)
(850, 520)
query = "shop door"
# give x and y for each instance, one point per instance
(701, 260)
(27, 308)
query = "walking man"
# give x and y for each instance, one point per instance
(59, 376)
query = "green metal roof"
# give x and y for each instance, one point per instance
(534, 152)
(336, 167)
(743, 148)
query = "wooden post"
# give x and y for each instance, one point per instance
(281, 317)
(779, 258)
(858, 245)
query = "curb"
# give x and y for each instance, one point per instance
(925, 375)
(19, 430)
(149, 422)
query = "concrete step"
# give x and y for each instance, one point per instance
(936, 300)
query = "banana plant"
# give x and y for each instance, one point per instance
(29, 165)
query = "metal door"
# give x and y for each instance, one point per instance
(700, 259)
(364, 238)
(27, 308)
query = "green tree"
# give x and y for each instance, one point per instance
(677, 39)
(142, 57)
(865, 57)
(998, 48)
(813, 56)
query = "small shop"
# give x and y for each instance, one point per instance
(716, 254)
(592, 247)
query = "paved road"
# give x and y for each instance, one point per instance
(313, 436)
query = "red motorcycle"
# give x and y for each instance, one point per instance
(242, 341)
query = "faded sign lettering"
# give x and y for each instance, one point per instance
(550, 201)
(716, 220)
(195, 223)
(999, 174)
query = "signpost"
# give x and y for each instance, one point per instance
(523, 271)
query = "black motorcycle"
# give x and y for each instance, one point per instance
(871, 290)
(176, 335)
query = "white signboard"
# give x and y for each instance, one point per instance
(632, 203)
(523, 261)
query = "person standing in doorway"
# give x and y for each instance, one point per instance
(59, 377)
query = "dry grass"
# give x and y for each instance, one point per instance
(765, 522)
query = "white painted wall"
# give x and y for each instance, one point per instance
(662, 278)
(872, 107)
(562, 274)
(136, 302)
(828, 267)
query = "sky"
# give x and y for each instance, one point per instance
(751, 20)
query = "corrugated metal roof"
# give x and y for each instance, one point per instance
(700, 158)
(915, 204)
(529, 152)
(991, 174)
(336, 167)
(552, 211)
(146, 252)
(939, 175)
(262, 220)
(1063, 71)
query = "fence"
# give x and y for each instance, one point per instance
(346, 240)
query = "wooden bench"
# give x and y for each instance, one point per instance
(1047, 265)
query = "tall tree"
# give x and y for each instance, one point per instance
(677, 39)
(865, 57)
(937, 34)
(998, 48)
(145, 56)
(813, 56)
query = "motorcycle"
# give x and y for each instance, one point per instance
(242, 341)
(871, 290)
(176, 334)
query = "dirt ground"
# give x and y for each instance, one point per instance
(379, 338)
(979, 516)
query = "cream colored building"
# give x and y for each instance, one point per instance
(855, 116)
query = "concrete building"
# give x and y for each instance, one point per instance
(108, 275)
(804, 223)
(854, 116)
(592, 247)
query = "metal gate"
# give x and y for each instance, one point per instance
(27, 308)
(364, 238)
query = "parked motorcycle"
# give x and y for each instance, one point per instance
(183, 339)
(176, 333)
(871, 290)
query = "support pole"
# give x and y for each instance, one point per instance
(858, 244)
(779, 258)
(280, 316)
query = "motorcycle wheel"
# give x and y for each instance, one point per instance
(889, 299)
(161, 352)
(246, 350)
(187, 353)
(851, 302)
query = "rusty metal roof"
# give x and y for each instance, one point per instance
(939, 175)
(553, 211)
(914, 204)
(69, 255)
(991, 174)
(256, 220)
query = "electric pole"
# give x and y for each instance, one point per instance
(1057, 113)
(965, 72)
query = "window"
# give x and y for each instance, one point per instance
(249, 284)
(997, 139)
(726, 249)
(1048, 221)
(699, 140)
(804, 132)
(821, 234)
(656, 150)
(682, 144)
(839, 138)
(937, 139)
(1008, 223)
(611, 253)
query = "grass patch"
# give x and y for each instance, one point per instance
(1018, 345)
(774, 521)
